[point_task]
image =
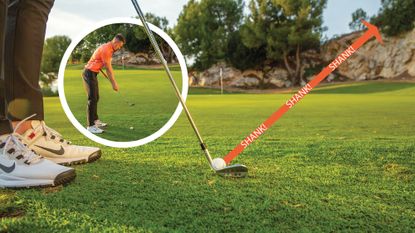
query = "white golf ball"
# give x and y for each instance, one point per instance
(131, 128)
(218, 163)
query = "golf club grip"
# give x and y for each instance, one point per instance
(166, 67)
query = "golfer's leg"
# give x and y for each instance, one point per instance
(5, 126)
(95, 98)
(90, 82)
(87, 86)
(97, 90)
(26, 34)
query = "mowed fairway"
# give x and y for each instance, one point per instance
(342, 160)
(148, 89)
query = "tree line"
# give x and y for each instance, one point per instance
(272, 32)
(137, 41)
(263, 32)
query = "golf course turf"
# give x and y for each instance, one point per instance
(342, 160)
(145, 101)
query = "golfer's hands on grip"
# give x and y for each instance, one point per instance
(115, 87)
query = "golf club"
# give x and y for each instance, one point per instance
(237, 170)
(125, 100)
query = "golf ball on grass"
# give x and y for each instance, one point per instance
(131, 128)
(218, 163)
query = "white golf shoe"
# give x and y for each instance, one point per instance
(21, 167)
(100, 124)
(95, 130)
(51, 145)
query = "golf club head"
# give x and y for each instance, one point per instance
(234, 171)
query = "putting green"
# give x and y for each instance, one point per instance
(146, 101)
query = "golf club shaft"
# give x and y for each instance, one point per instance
(169, 74)
(106, 76)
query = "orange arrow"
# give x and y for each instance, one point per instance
(371, 32)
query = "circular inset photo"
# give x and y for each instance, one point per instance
(114, 86)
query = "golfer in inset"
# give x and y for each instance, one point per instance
(101, 58)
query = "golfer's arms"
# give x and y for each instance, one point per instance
(110, 74)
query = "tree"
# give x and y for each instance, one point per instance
(396, 16)
(138, 34)
(53, 52)
(284, 29)
(137, 40)
(356, 24)
(96, 38)
(204, 29)
(161, 22)
(242, 57)
(75, 57)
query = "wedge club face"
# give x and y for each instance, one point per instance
(233, 171)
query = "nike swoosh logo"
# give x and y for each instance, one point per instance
(8, 169)
(57, 152)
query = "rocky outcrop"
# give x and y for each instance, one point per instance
(231, 77)
(374, 60)
(212, 76)
(396, 58)
(134, 59)
(245, 82)
(278, 77)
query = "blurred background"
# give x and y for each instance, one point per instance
(240, 45)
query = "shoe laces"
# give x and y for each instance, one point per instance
(14, 146)
(52, 134)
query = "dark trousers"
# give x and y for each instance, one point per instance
(23, 28)
(91, 86)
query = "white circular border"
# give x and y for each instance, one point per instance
(82, 129)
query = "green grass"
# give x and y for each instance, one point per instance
(149, 90)
(334, 163)
(365, 88)
(209, 91)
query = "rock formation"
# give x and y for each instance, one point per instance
(394, 59)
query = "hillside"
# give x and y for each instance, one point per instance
(393, 60)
